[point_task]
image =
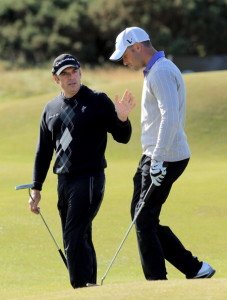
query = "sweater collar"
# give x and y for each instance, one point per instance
(152, 61)
(73, 98)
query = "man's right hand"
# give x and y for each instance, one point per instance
(124, 105)
(34, 201)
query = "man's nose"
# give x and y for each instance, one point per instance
(71, 75)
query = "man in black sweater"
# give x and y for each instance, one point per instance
(75, 125)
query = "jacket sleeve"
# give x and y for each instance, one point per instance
(121, 131)
(44, 153)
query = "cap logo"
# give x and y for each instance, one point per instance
(129, 41)
(62, 61)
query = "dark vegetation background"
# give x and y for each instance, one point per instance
(33, 32)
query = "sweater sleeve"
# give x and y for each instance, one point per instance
(44, 153)
(164, 88)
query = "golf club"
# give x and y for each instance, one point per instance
(147, 195)
(29, 186)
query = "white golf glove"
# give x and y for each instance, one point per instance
(157, 172)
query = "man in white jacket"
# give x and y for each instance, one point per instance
(165, 155)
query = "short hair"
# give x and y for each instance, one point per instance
(146, 43)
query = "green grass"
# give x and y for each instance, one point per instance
(196, 209)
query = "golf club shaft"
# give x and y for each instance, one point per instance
(58, 248)
(29, 186)
(48, 229)
(122, 242)
(147, 195)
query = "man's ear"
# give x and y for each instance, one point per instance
(138, 47)
(55, 78)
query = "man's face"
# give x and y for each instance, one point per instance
(132, 57)
(69, 81)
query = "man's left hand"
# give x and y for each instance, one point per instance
(157, 172)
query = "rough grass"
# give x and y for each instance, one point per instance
(196, 209)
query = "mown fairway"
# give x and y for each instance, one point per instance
(196, 210)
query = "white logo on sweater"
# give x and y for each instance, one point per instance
(83, 108)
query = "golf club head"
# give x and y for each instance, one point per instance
(24, 186)
(101, 283)
(91, 285)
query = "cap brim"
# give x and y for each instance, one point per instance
(117, 55)
(66, 66)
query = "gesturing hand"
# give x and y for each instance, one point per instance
(124, 105)
(157, 172)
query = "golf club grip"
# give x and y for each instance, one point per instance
(63, 257)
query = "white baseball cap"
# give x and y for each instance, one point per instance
(126, 38)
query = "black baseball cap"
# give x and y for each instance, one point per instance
(64, 61)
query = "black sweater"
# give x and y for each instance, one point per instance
(76, 129)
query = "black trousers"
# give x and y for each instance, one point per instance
(156, 242)
(79, 199)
